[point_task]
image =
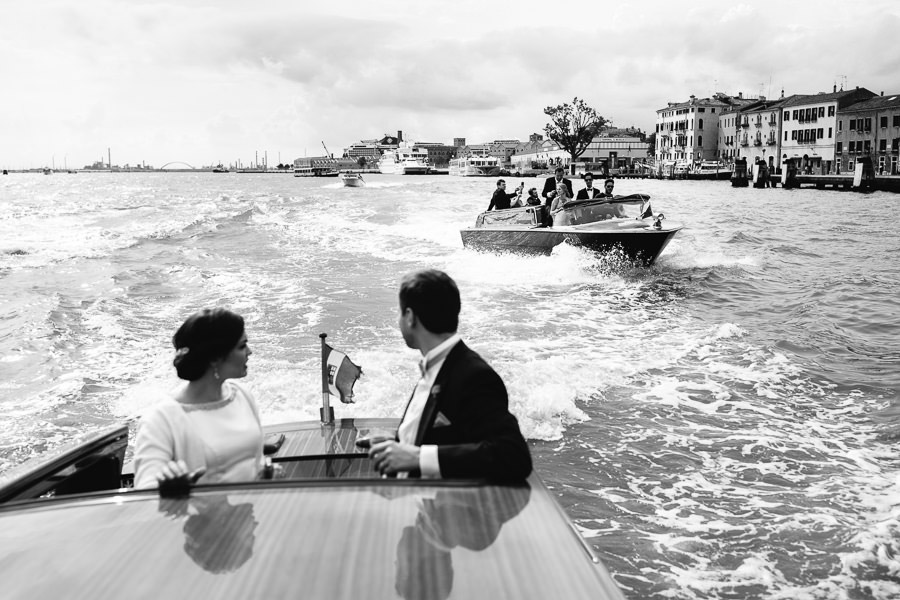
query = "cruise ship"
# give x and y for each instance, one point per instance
(405, 160)
(475, 166)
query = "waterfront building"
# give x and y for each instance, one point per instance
(753, 132)
(689, 131)
(439, 155)
(808, 128)
(612, 151)
(869, 128)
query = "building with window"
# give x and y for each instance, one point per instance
(869, 128)
(439, 155)
(689, 131)
(612, 151)
(808, 128)
(752, 131)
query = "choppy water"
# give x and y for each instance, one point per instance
(725, 424)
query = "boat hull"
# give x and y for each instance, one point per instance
(640, 244)
(353, 181)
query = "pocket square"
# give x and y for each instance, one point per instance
(441, 421)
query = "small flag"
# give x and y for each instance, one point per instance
(647, 213)
(338, 373)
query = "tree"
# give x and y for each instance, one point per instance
(573, 126)
(651, 144)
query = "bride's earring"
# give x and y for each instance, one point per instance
(216, 372)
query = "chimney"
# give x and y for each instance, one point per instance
(882, 92)
(399, 135)
(741, 95)
(834, 90)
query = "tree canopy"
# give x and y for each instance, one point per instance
(573, 126)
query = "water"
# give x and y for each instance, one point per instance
(724, 424)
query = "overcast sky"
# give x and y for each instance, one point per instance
(209, 81)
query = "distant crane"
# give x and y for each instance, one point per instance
(327, 153)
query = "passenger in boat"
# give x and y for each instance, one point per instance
(457, 423)
(589, 190)
(550, 191)
(618, 210)
(560, 198)
(210, 429)
(501, 199)
(551, 184)
(533, 199)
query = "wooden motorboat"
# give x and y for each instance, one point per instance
(353, 180)
(592, 224)
(329, 528)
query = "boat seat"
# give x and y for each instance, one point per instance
(91, 464)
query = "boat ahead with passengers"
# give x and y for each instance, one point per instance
(328, 527)
(597, 224)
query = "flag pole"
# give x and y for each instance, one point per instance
(326, 413)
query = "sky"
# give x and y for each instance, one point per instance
(203, 82)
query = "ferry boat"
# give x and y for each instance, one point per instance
(405, 160)
(475, 166)
(328, 527)
(309, 171)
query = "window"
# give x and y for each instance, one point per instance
(851, 147)
(795, 115)
(837, 166)
(883, 122)
(896, 120)
(830, 111)
(840, 147)
(793, 135)
(785, 136)
(882, 145)
(712, 110)
(829, 133)
(867, 145)
(820, 134)
(868, 126)
(852, 124)
(787, 115)
(700, 121)
(700, 140)
(895, 145)
(821, 111)
(840, 125)
(701, 109)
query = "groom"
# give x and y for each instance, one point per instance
(457, 423)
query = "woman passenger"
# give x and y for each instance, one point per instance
(210, 429)
(556, 207)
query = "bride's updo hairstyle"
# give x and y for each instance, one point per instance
(206, 336)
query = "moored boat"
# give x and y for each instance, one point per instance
(475, 166)
(710, 170)
(353, 180)
(404, 160)
(592, 224)
(330, 527)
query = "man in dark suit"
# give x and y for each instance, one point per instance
(589, 190)
(501, 199)
(549, 192)
(550, 186)
(457, 423)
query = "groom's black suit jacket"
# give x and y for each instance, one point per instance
(476, 435)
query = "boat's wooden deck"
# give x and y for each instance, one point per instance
(316, 451)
